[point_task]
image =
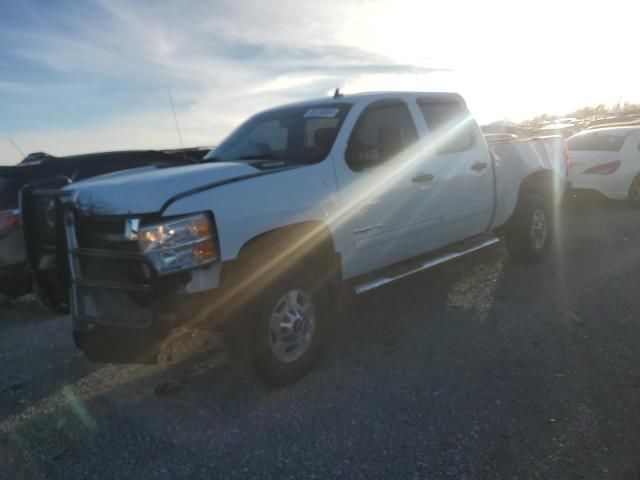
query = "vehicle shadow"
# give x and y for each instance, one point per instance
(18, 311)
(587, 200)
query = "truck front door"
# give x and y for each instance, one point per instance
(384, 190)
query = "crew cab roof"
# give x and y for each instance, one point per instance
(354, 98)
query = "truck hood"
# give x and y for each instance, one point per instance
(146, 190)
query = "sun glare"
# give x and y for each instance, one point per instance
(508, 61)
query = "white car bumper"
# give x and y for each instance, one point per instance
(611, 186)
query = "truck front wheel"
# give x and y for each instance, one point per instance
(529, 233)
(289, 319)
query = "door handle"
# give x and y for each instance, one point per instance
(479, 166)
(422, 178)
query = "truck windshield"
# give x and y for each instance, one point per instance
(294, 135)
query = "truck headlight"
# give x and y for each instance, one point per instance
(179, 244)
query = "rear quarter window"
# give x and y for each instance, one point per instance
(9, 189)
(450, 122)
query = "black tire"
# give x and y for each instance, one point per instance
(266, 364)
(525, 240)
(634, 193)
(16, 284)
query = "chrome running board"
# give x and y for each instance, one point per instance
(433, 262)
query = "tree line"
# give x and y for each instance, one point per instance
(587, 113)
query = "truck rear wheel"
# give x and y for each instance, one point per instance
(529, 233)
(289, 321)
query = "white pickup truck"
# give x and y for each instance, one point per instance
(296, 204)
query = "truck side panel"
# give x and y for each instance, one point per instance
(518, 160)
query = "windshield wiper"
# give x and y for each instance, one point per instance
(210, 159)
(259, 156)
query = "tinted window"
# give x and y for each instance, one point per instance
(382, 131)
(596, 142)
(292, 134)
(91, 165)
(9, 188)
(92, 168)
(75, 168)
(315, 128)
(270, 135)
(452, 121)
(11, 182)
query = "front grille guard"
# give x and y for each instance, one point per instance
(132, 313)
(46, 256)
(55, 260)
(75, 253)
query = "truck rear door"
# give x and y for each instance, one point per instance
(465, 171)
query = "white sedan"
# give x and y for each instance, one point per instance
(607, 160)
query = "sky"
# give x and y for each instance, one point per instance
(87, 76)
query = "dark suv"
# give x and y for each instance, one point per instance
(43, 169)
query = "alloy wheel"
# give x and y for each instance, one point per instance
(539, 229)
(292, 325)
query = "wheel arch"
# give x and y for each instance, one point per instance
(545, 183)
(308, 241)
(306, 236)
(267, 256)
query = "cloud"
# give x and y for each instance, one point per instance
(80, 76)
(94, 76)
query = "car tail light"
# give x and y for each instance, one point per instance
(604, 169)
(8, 220)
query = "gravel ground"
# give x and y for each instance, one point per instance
(479, 369)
